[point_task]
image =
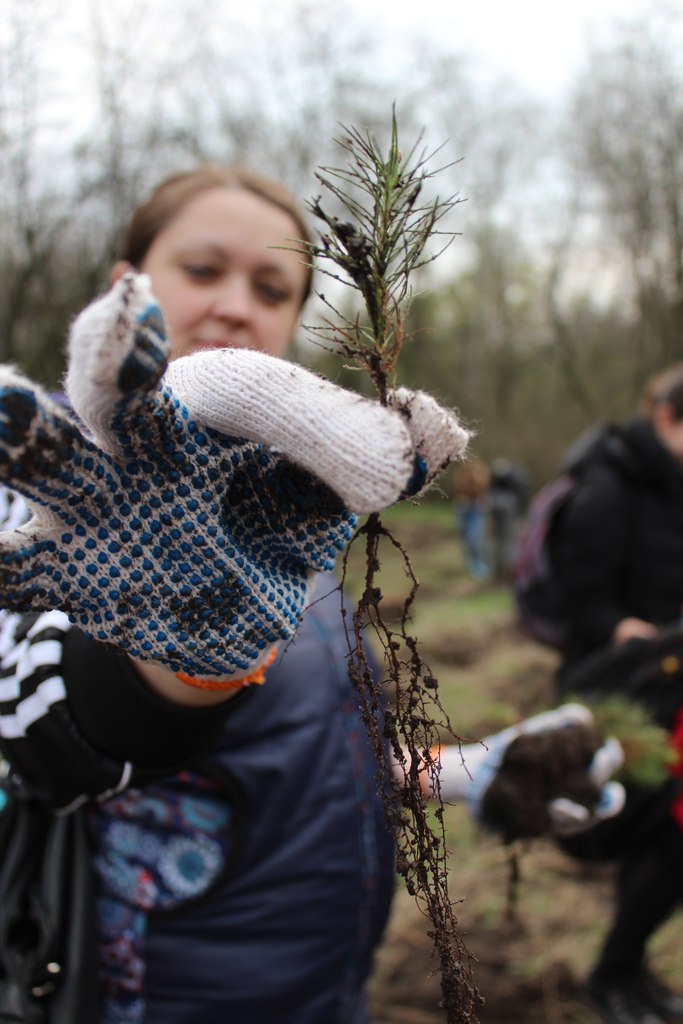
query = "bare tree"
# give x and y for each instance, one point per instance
(271, 90)
(34, 213)
(628, 132)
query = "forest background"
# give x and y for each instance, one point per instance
(563, 290)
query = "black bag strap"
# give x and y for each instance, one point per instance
(48, 958)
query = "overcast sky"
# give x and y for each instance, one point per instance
(538, 42)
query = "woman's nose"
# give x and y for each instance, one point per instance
(233, 300)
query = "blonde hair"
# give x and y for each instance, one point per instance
(174, 193)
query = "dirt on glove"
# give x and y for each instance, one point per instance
(536, 769)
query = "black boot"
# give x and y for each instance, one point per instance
(620, 1001)
(664, 1000)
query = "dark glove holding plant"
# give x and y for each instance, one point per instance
(550, 774)
(185, 529)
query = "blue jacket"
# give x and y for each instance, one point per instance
(249, 888)
(288, 938)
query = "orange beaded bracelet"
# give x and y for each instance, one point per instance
(256, 678)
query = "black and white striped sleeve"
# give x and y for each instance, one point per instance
(37, 734)
(77, 722)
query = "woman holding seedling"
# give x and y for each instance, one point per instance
(157, 670)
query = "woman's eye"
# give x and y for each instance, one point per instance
(273, 295)
(200, 271)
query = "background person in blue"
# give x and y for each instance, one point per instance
(470, 493)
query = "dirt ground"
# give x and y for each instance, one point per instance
(518, 983)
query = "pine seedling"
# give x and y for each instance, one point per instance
(373, 244)
(376, 246)
(648, 754)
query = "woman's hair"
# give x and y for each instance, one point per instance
(169, 198)
(666, 386)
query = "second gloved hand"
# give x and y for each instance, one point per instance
(547, 775)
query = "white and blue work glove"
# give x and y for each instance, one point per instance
(182, 522)
(559, 786)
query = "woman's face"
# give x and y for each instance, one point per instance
(669, 429)
(218, 279)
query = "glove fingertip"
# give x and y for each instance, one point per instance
(418, 479)
(612, 800)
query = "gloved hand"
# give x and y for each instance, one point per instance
(185, 528)
(548, 774)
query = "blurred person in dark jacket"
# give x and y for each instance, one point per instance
(617, 547)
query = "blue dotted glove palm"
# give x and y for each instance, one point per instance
(183, 525)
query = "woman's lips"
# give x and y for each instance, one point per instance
(203, 345)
